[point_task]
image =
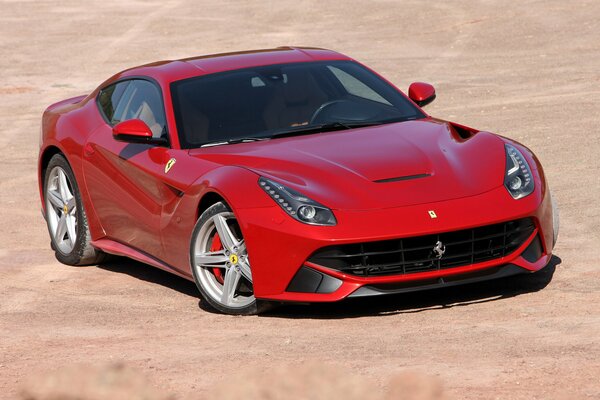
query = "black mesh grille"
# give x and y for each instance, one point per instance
(417, 254)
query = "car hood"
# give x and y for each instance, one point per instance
(392, 165)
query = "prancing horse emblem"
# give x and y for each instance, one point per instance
(439, 249)
(170, 164)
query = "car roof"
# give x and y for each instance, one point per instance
(174, 70)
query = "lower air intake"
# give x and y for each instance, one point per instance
(426, 253)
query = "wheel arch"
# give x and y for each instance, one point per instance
(208, 199)
(236, 186)
(47, 155)
(44, 159)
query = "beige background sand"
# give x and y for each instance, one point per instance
(529, 70)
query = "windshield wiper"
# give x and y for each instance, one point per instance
(234, 141)
(304, 130)
(328, 127)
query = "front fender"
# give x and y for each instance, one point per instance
(237, 185)
(239, 188)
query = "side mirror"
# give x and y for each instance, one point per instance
(135, 131)
(421, 93)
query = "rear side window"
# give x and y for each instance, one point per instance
(109, 98)
(134, 99)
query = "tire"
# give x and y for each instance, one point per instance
(555, 220)
(220, 264)
(66, 217)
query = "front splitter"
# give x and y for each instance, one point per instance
(435, 283)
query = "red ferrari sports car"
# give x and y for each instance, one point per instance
(289, 174)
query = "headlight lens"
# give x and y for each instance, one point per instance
(518, 179)
(297, 205)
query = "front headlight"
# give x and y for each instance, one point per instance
(518, 179)
(297, 205)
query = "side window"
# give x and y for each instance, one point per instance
(109, 98)
(142, 100)
(134, 99)
(356, 87)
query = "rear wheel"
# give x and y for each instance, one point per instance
(65, 217)
(220, 263)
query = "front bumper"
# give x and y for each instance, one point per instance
(279, 246)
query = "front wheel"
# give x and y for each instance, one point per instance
(220, 263)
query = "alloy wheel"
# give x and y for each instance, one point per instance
(61, 210)
(220, 262)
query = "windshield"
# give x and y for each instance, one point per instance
(278, 100)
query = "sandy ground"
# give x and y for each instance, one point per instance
(529, 70)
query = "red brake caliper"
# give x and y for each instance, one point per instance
(216, 246)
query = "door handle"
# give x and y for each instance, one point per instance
(88, 150)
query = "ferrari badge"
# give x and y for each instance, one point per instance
(170, 164)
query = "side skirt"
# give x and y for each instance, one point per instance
(119, 249)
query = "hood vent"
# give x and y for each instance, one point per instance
(402, 178)
(464, 132)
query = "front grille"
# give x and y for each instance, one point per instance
(417, 254)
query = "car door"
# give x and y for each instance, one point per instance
(123, 179)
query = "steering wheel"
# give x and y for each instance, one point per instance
(325, 106)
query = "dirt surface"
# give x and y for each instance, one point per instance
(529, 70)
